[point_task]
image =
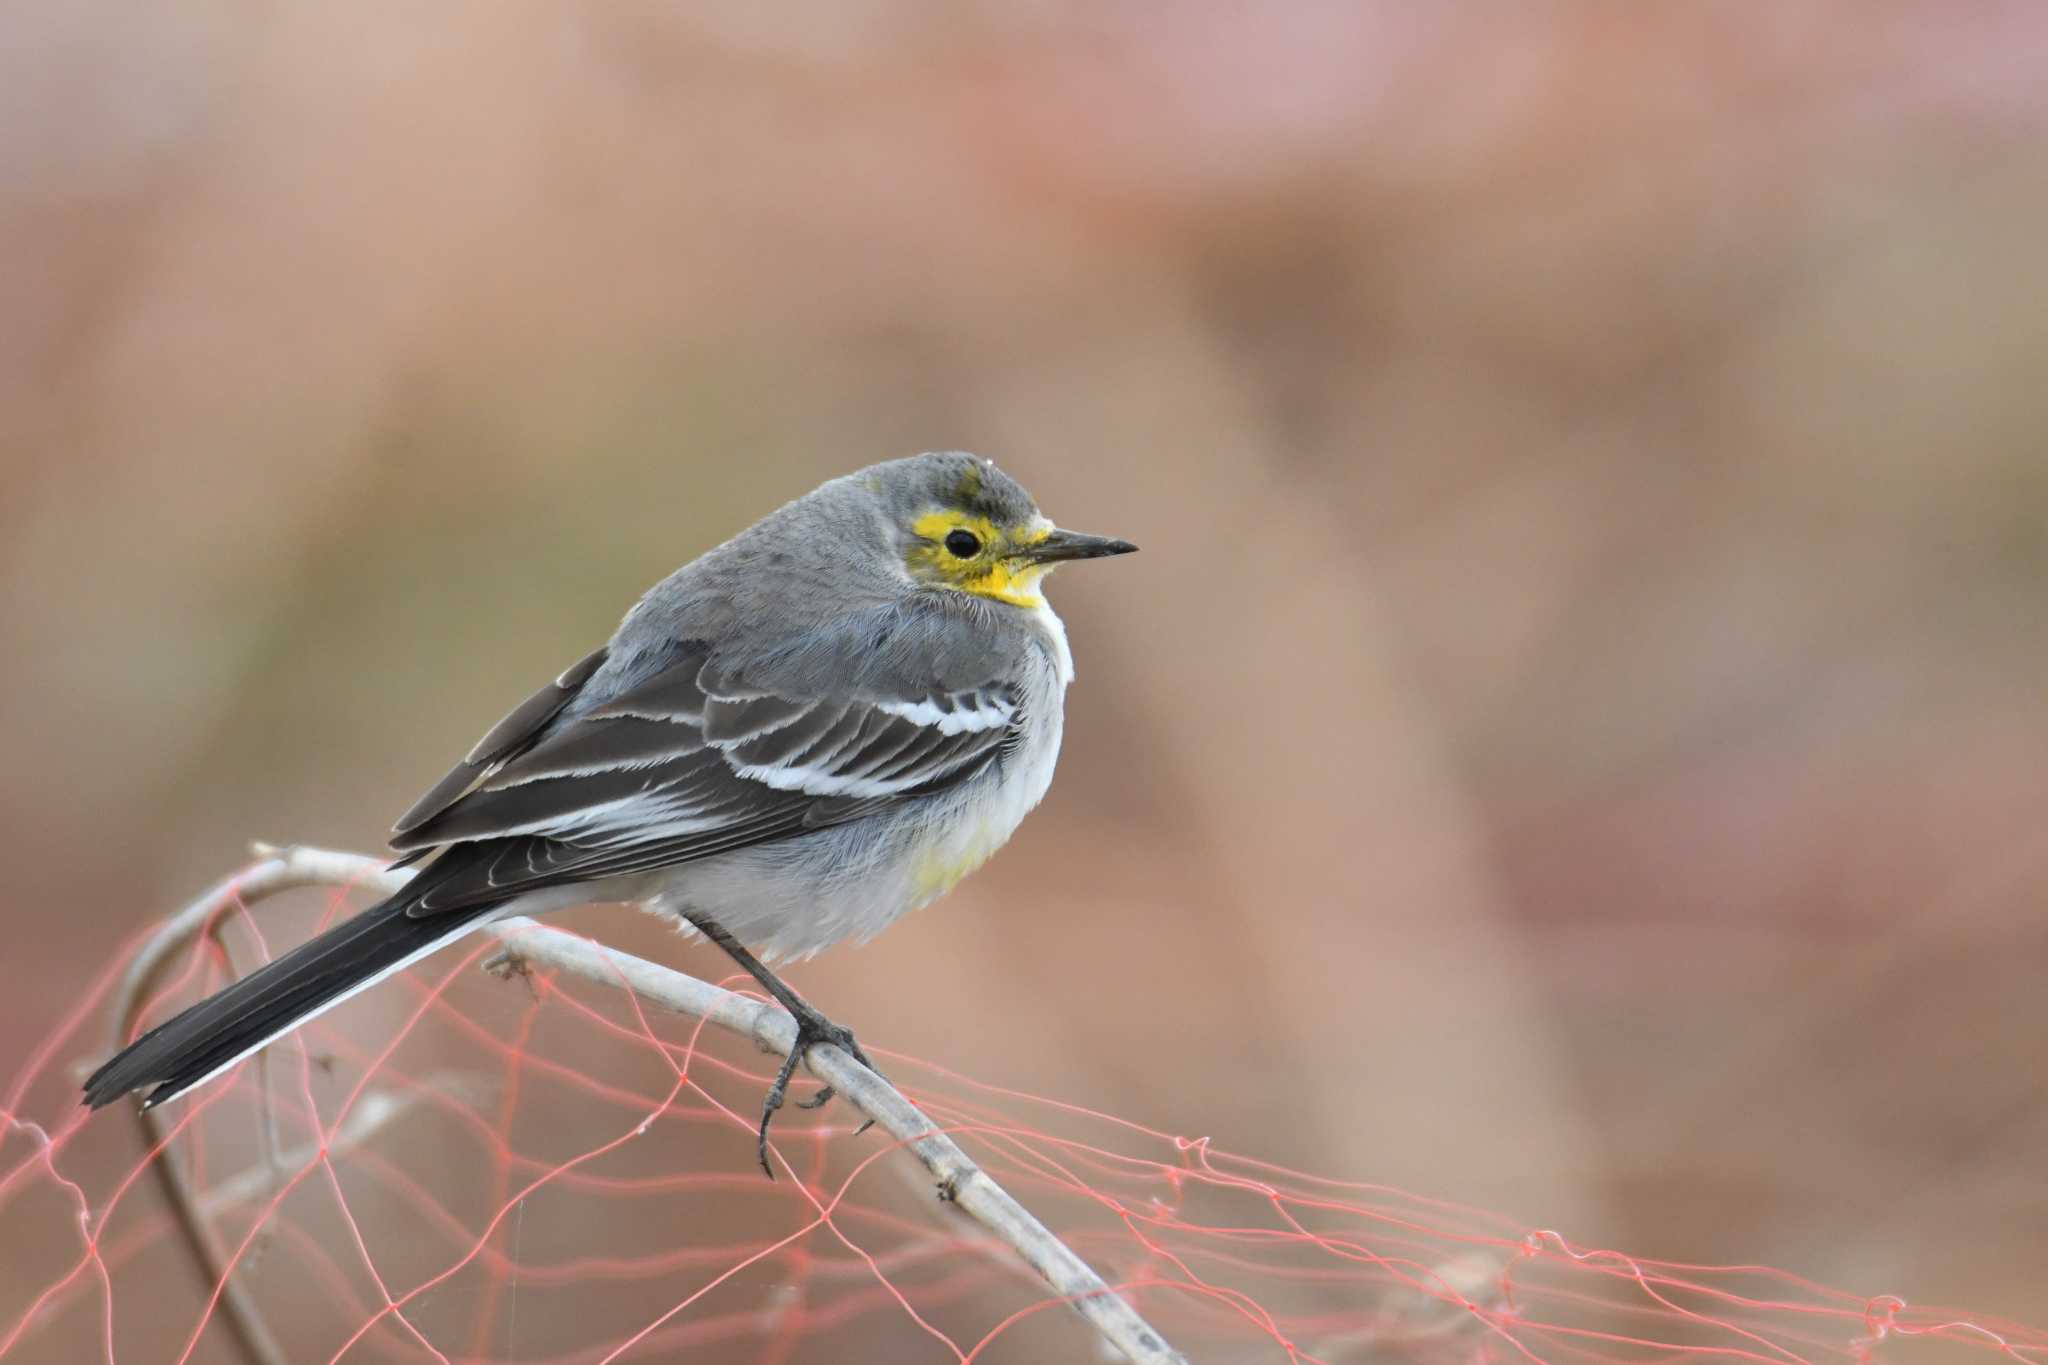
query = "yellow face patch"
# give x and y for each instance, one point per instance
(998, 570)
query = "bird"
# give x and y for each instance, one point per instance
(821, 724)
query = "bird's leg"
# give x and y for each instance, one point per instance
(811, 1027)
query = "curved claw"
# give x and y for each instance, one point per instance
(812, 1028)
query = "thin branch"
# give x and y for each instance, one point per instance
(237, 1306)
(960, 1180)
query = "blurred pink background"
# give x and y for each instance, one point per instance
(1573, 743)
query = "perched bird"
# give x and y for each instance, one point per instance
(826, 721)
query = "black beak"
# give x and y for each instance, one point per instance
(1061, 546)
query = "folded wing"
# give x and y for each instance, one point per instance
(698, 758)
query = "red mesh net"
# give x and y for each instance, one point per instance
(553, 1171)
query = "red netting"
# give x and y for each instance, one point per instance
(556, 1172)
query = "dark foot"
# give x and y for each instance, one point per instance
(811, 1028)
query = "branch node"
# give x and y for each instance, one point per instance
(507, 963)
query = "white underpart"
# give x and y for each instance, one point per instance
(1063, 656)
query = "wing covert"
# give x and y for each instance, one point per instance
(693, 760)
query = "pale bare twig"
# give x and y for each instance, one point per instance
(960, 1179)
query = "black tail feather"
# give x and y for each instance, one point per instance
(276, 998)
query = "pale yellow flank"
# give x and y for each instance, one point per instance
(943, 868)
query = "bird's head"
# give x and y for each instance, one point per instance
(963, 524)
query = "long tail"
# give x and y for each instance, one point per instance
(205, 1040)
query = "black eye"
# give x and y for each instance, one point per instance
(963, 544)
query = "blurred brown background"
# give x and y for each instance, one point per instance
(1574, 741)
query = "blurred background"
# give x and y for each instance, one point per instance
(1574, 740)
